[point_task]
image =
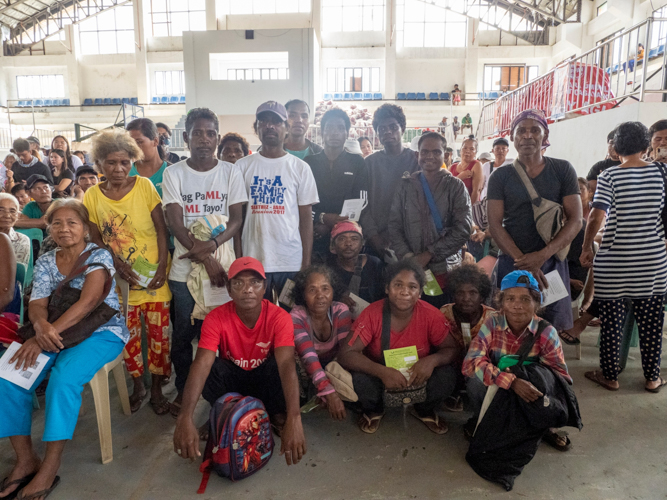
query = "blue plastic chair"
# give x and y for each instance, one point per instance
(433, 96)
(358, 96)
(134, 100)
(182, 99)
(653, 53)
(615, 69)
(87, 102)
(377, 96)
(164, 99)
(98, 102)
(338, 96)
(21, 104)
(107, 101)
(115, 101)
(494, 95)
(421, 96)
(155, 100)
(327, 97)
(348, 96)
(367, 96)
(173, 99)
(400, 96)
(412, 96)
(65, 102)
(661, 49)
(57, 102)
(125, 100)
(39, 102)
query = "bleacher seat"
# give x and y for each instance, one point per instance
(367, 96)
(21, 104)
(327, 97)
(173, 99)
(615, 69)
(99, 102)
(347, 96)
(377, 96)
(87, 102)
(653, 53)
(39, 102)
(421, 96)
(134, 100)
(115, 101)
(164, 99)
(57, 102)
(338, 96)
(494, 95)
(661, 49)
(155, 100)
(107, 101)
(400, 96)
(433, 96)
(182, 99)
(411, 96)
(125, 100)
(358, 96)
(481, 96)
(444, 96)
(65, 102)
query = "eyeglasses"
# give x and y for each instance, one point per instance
(240, 285)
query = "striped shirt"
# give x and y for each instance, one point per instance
(632, 261)
(496, 339)
(315, 354)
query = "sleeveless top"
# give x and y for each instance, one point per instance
(456, 170)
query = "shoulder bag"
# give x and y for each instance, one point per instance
(64, 297)
(400, 397)
(520, 358)
(548, 214)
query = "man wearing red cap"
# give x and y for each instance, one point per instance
(255, 343)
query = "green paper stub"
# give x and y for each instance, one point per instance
(432, 288)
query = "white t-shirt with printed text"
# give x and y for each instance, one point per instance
(199, 194)
(276, 187)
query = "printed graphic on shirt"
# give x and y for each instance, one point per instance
(247, 364)
(267, 195)
(118, 233)
(204, 203)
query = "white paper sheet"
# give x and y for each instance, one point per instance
(556, 290)
(214, 296)
(22, 378)
(286, 294)
(352, 209)
(360, 305)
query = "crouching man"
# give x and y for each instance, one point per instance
(255, 342)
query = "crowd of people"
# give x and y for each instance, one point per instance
(297, 267)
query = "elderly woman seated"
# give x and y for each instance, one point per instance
(70, 367)
(9, 214)
(321, 325)
(515, 352)
(413, 323)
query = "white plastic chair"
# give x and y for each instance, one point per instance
(100, 387)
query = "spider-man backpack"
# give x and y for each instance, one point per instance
(240, 440)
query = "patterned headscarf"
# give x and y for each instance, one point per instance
(532, 114)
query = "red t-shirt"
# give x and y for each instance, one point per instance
(427, 328)
(224, 332)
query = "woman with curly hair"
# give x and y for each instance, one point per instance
(631, 262)
(470, 287)
(232, 147)
(320, 327)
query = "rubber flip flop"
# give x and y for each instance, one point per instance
(551, 438)
(656, 390)
(433, 423)
(22, 483)
(599, 379)
(568, 339)
(40, 494)
(369, 425)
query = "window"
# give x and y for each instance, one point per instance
(40, 86)
(659, 35)
(353, 15)
(508, 78)
(427, 25)
(610, 54)
(170, 83)
(353, 80)
(602, 8)
(173, 17)
(249, 66)
(264, 6)
(110, 32)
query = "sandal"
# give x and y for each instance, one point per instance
(656, 390)
(137, 401)
(555, 440)
(453, 404)
(369, 424)
(175, 408)
(598, 378)
(22, 483)
(40, 495)
(433, 422)
(568, 339)
(160, 407)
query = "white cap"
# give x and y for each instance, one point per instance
(485, 156)
(352, 146)
(414, 145)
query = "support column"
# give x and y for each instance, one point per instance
(211, 16)
(73, 76)
(141, 30)
(390, 51)
(316, 17)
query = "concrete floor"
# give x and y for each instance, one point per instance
(621, 453)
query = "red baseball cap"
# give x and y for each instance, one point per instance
(246, 264)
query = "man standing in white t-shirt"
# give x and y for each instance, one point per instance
(199, 186)
(278, 227)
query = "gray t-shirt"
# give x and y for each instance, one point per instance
(557, 180)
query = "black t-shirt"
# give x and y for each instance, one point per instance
(22, 173)
(557, 180)
(65, 174)
(372, 277)
(600, 167)
(577, 271)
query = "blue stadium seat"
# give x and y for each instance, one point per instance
(661, 49)
(653, 53)
(87, 102)
(327, 97)
(134, 100)
(115, 101)
(377, 96)
(65, 102)
(39, 102)
(481, 96)
(164, 99)
(338, 96)
(107, 101)
(615, 69)
(358, 96)
(57, 102)
(125, 100)
(433, 96)
(368, 96)
(411, 96)
(494, 95)
(400, 96)
(421, 96)
(155, 100)
(173, 99)
(444, 96)
(99, 102)
(347, 96)
(21, 104)
(182, 99)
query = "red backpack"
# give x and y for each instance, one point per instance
(240, 440)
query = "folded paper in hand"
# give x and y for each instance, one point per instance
(556, 290)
